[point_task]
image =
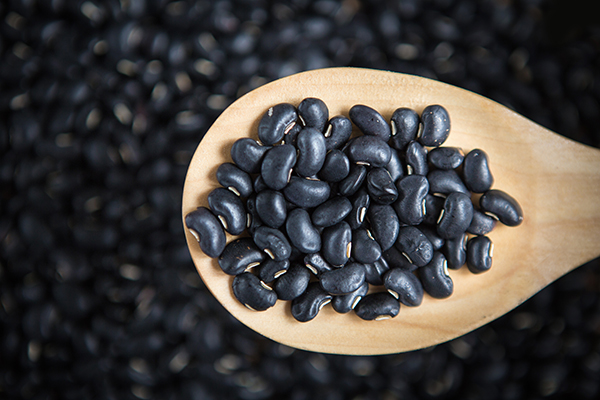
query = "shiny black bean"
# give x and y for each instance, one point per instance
(247, 154)
(436, 126)
(254, 220)
(456, 216)
(293, 283)
(230, 210)
(412, 191)
(336, 166)
(303, 235)
(316, 264)
(476, 172)
(414, 245)
(431, 232)
(306, 193)
(446, 157)
(360, 205)
(480, 250)
(395, 167)
(336, 243)
(405, 125)
(380, 186)
(306, 306)
(207, 230)
(311, 152)
(240, 255)
(344, 303)
(377, 306)
(446, 182)
(404, 286)
(384, 224)
(313, 113)
(435, 279)
(500, 205)
(416, 159)
(338, 132)
(332, 211)
(277, 165)
(271, 208)
(369, 150)
(349, 185)
(395, 259)
(365, 248)
(234, 179)
(249, 291)
(433, 208)
(273, 242)
(291, 136)
(269, 270)
(370, 122)
(343, 280)
(259, 184)
(455, 251)
(275, 122)
(374, 271)
(481, 224)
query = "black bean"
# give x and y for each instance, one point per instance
(395, 167)
(436, 126)
(455, 251)
(277, 165)
(433, 208)
(446, 157)
(405, 125)
(336, 243)
(446, 182)
(207, 230)
(303, 235)
(360, 205)
(338, 132)
(249, 291)
(269, 270)
(254, 220)
(306, 193)
(316, 264)
(331, 212)
(344, 303)
(259, 184)
(247, 154)
(380, 186)
(229, 209)
(370, 122)
(343, 280)
(500, 205)
(369, 150)
(293, 283)
(430, 232)
(404, 286)
(234, 179)
(313, 113)
(291, 136)
(374, 271)
(456, 216)
(306, 306)
(311, 152)
(349, 185)
(395, 259)
(481, 224)
(271, 208)
(240, 255)
(476, 172)
(377, 306)
(479, 254)
(435, 279)
(384, 225)
(414, 245)
(336, 166)
(365, 248)
(273, 242)
(411, 204)
(416, 159)
(275, 122)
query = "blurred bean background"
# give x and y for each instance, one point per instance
(102, 104)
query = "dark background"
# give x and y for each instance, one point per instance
(102, 104)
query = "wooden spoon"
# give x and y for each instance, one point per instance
(556, 181)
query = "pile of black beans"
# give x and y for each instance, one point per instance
(330, 216)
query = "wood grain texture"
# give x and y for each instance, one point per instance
(556, 181)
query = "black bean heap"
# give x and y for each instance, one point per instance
(331, 218)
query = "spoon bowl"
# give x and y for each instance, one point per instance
(555, 180)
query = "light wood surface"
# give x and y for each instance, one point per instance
(556, 181)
